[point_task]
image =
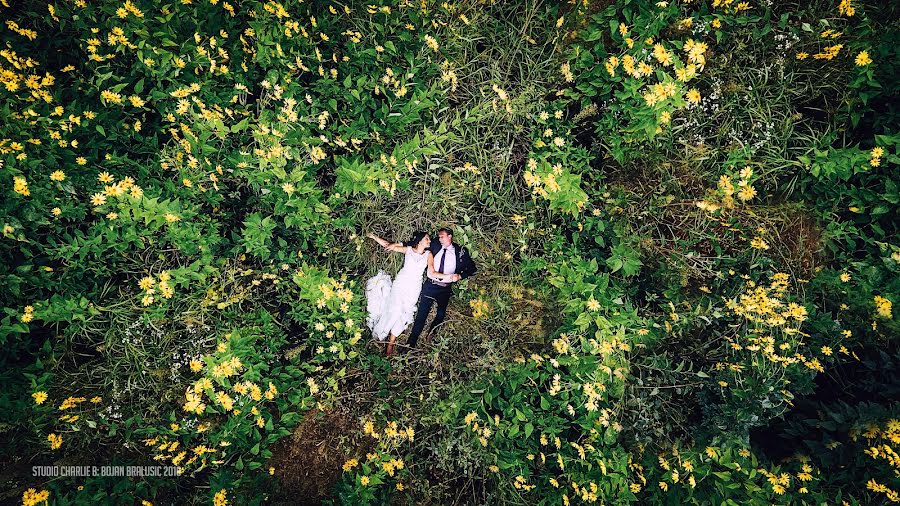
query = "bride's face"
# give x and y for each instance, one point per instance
(425, 242)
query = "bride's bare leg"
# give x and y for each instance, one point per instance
(390, 346)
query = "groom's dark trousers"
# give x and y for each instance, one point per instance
(431, 293)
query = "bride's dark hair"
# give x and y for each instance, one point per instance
(417, 236)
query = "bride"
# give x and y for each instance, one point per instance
(392, 305)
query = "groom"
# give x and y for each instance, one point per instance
(447, 258)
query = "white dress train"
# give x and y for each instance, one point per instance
(391, 305)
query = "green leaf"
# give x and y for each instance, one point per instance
(239, 126)
(583, 319)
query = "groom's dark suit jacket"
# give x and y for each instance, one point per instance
(465, 266)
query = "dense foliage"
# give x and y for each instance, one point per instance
(684, 215)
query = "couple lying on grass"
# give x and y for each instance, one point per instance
(392, 304)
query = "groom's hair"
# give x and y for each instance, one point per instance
(445, 229)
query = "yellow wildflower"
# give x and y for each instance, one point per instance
(863, 59)
(39, 397)
(20, 186)
(883, 307)
(55, 441)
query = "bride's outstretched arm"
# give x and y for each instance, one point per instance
(396, 247)
(379, 240)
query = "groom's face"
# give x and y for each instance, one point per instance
(444, 238)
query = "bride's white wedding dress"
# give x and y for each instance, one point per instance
(392, 305)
